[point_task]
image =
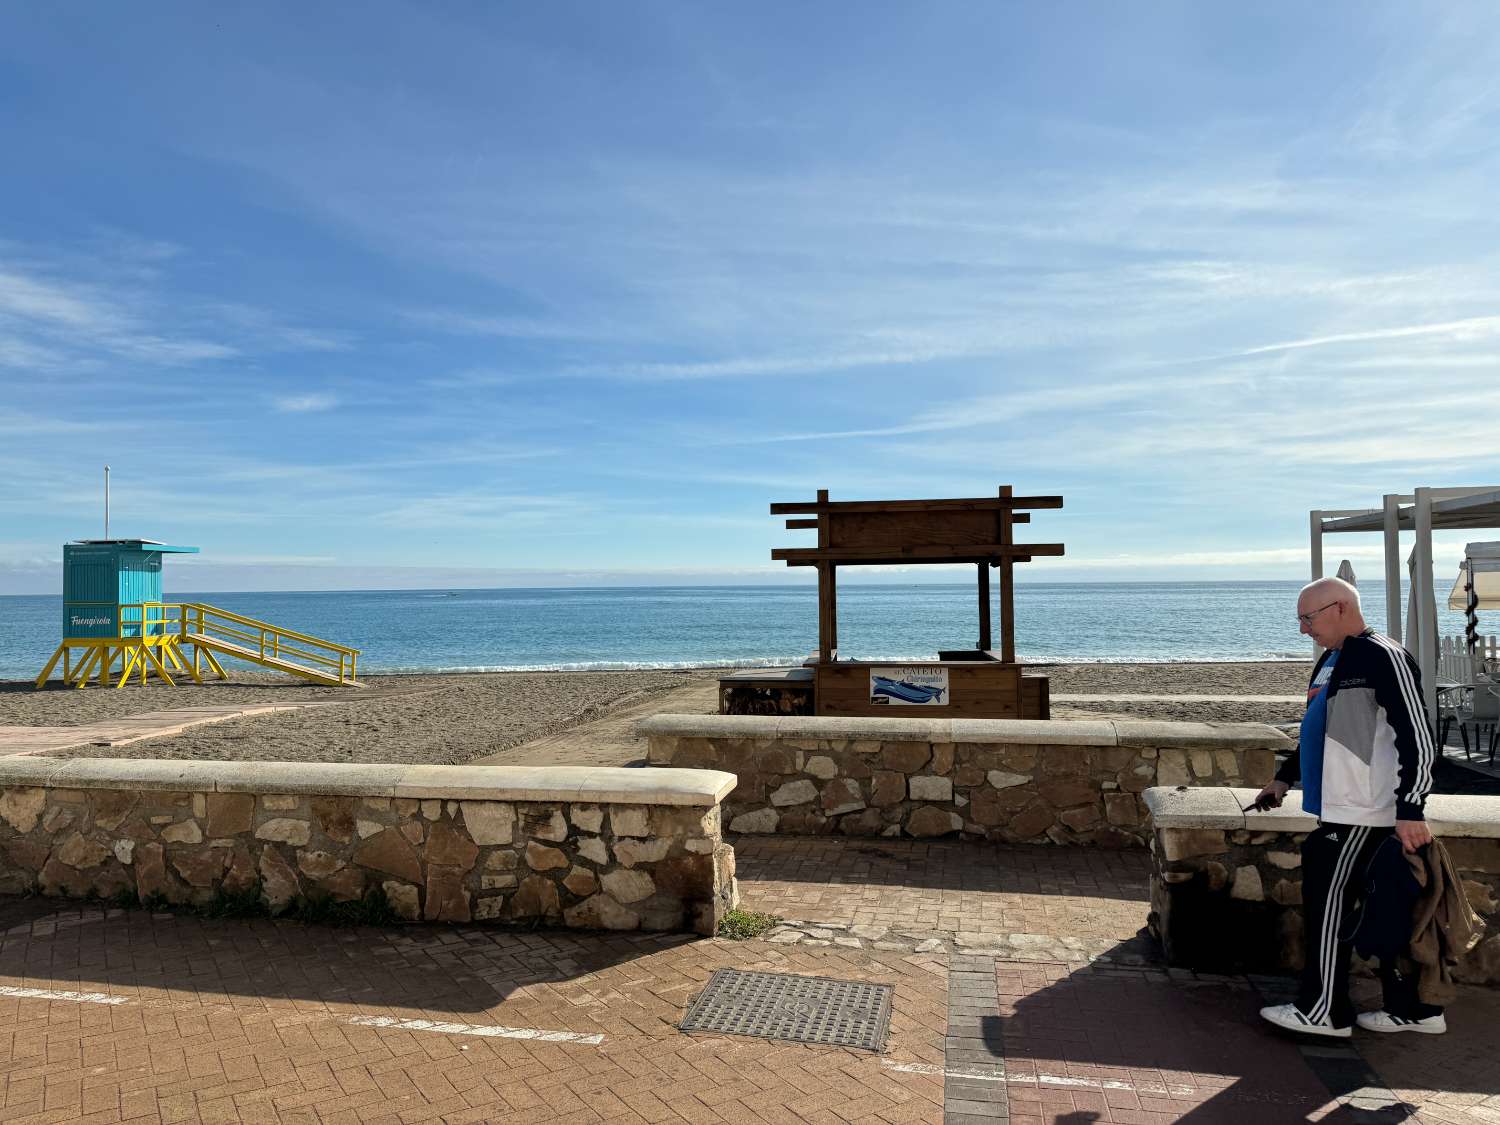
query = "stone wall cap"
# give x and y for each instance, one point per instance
(709, 726)
(1459, 815)
(25, 770)
(1210, 736)
(902, 728)
(316, 779)
(594, 785)
(1036, 732)
(914, 728)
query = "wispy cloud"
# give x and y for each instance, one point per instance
(305, 403)
(1471, 328)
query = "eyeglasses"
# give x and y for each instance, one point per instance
(1307, 618)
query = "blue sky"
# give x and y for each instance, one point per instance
(504, 294)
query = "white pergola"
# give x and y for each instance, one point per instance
(1424, 511)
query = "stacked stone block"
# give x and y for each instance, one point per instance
(1019, 781)
(584, 864)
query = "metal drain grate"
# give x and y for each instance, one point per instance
(845, 1013)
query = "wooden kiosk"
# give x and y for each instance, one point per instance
(962, 683)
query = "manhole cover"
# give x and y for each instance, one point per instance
(845, 1013)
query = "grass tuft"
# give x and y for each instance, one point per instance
(742, 925)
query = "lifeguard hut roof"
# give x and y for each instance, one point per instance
(138, 544)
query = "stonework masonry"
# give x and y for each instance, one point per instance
(616, 849)
(1011, 780)
(1226, 886)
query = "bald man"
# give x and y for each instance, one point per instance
(1364, 758)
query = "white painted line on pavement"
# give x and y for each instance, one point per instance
(996, 1073)
(489, 1030)
(58, 994)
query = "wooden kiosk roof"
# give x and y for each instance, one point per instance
(883, 532)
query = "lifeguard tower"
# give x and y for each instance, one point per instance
(967, 683)
(115, 626)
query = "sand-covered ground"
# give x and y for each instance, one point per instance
(459, 718)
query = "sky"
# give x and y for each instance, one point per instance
(389, 295)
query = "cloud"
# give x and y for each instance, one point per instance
(989, 410)
(79, 316)
(304, 404)
(749, 366)
(1473, 328)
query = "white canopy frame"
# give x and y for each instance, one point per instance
(1422, 511)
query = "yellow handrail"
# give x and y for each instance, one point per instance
(294, 635)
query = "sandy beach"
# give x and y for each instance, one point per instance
(518, 717)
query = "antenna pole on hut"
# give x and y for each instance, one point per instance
(106, 501)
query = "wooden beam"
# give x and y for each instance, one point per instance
(976, 504)
(954, 552)
(800, 525)
(984, 607)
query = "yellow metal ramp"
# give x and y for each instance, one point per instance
(242, 652)
(212, 631)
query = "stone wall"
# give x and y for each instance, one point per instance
(617, 849)
(1015, 780)
(1226, 886)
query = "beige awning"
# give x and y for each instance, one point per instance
(1484, 559)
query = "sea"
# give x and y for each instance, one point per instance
(499, 630)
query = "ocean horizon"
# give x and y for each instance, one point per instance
(664, 627)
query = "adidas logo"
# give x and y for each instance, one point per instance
(1333, 836)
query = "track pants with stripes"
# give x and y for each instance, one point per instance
(1334, 859)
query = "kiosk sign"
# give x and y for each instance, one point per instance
(912, 686)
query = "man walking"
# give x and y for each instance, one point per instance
(1364, 758)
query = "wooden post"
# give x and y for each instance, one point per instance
(1007, 585)
(825, 590)
(833, 609)
(985, 641)
(825, 628)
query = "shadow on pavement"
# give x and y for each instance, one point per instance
(1191, 1048)
(915, 866)
(270, 963)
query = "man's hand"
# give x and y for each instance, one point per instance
(1271, 796)
(1413, 834)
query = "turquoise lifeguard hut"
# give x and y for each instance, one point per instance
(115, 625)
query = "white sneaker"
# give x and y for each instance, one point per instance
(1287, 1016)
(1384, 1021)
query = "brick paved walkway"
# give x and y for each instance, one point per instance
(947, 887)
(110, 1016)
(273, 1021)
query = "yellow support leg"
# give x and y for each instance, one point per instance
(130, 663)
(175, 653)
(215, 665)
(84, 670)
(51, 664)
(156, 663)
